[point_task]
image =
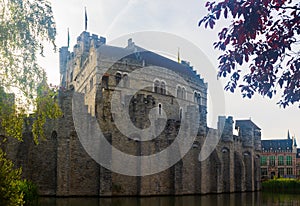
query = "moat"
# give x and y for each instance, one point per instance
(237, 199)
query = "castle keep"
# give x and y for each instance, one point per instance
(61, 166)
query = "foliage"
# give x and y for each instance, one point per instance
(10, 194)
(30, 192)
(11, 117)
(14, 190)
(46, 107)
(282, 185)
(24, 26)
(264, 37)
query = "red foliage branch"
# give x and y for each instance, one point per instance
(264, 37)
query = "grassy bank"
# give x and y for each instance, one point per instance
(282, 185)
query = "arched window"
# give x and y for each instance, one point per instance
(126, 80)
(159, 109)
(183, 93)
(118, 78)
(156, 86)
(179, 92)
(195, 97)
(163, 87)
(199, 98)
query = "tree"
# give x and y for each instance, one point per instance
(263, 37)
(24, 26)
(9, 179)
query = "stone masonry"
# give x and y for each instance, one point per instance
(60, 165)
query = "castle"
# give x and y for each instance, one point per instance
(61, 165)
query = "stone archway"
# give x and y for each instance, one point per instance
(248, 171)
(214, 172)
(239, 172)
(226, 169)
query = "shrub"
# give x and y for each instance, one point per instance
(282, 185)
(29, 191)
(10, 194)
(13, 190)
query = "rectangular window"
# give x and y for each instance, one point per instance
(289, 171)
(272, 160)
(264, 172)
(263, 160)
(288, 160)
(280, 172)
(281, 160)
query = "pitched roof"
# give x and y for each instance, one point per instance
(150, 58)
(277, 144)
(246, 123)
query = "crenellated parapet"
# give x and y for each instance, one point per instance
(225, 128)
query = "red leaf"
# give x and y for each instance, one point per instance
(206, 24)
(218, 14)
(246, 58)
(211, 23)
(226, 13)
(227, 41)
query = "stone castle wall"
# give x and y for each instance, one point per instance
(60, 165)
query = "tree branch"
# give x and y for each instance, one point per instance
(286, 7)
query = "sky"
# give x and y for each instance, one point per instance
(119, 19)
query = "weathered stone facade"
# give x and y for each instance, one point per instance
(61, 166)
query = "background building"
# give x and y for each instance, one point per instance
(279, 158)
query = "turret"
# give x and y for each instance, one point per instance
(63, 59)
(225, 128)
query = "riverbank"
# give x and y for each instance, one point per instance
(282, 185)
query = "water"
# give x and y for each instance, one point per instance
(249, 199)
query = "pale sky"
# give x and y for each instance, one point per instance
(115, 18)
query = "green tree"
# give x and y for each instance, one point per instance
(25, 25)
(10, 195)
